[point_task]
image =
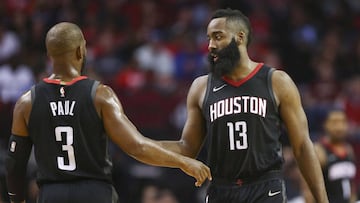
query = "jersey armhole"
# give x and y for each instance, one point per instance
(32, 92)
(270, 88)
(93, 89)
(208, 87)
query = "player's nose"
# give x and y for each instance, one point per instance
(212, 45)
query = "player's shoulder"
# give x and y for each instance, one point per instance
(104, 93)
(201, 79)
(104, 90)
(24, 100)
(23, 104)
(197, 89)
(199, 83)
(283, 85)
(281, 76)
(104, 97)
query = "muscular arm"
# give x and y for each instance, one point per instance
(123, 133)
(21, 115)
(321, 155)
(194, 130)
(19, 152)
(294, 117)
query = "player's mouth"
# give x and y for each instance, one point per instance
(215, 57)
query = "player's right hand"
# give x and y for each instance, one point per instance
(196, 169)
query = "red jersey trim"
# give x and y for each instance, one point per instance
(59, 82)
(328, 145)
(242, 81)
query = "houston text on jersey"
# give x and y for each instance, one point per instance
(236, 105)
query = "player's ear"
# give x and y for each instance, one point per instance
(79, 52)
(240, 38)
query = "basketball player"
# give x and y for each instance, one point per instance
(336, 158)
(66, 117)
(239, 105)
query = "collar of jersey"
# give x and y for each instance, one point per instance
(59, 82)
(242, 81)
(330, 147)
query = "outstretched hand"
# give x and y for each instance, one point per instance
(198, 170)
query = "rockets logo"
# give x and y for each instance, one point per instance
(62, 92)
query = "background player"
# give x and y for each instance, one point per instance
(66, 117)
(336, 157)
(239, 106)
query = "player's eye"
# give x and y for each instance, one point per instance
(218, 37)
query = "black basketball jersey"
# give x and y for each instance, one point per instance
(243, 125)
(67, 133)
(339, 172)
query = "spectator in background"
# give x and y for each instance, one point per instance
(9, 43)
(184, 21)
(130, 78)
(321, 93)
(107, 62)
(336, 157)
(304, 38)
(155, 194)
(325, 87)
(189, 61)
(351, 65)
(15, 79)
(154, 57)
(352, 104)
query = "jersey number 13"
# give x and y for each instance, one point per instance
(238, 135)
(67, 147)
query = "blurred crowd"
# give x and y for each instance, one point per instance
(149, 51)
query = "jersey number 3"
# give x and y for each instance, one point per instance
(67, 147)
(239, 129)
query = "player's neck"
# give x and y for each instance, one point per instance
(64, 75)
(243, 69)
(65, 69)
(337, 143)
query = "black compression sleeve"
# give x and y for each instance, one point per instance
(16, 161)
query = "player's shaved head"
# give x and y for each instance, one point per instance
(62, 38)
(236, 21)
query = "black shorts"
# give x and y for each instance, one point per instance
(84, 191)
(270, 190)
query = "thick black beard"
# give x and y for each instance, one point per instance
(228, 59)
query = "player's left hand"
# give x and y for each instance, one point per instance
(198, 170)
